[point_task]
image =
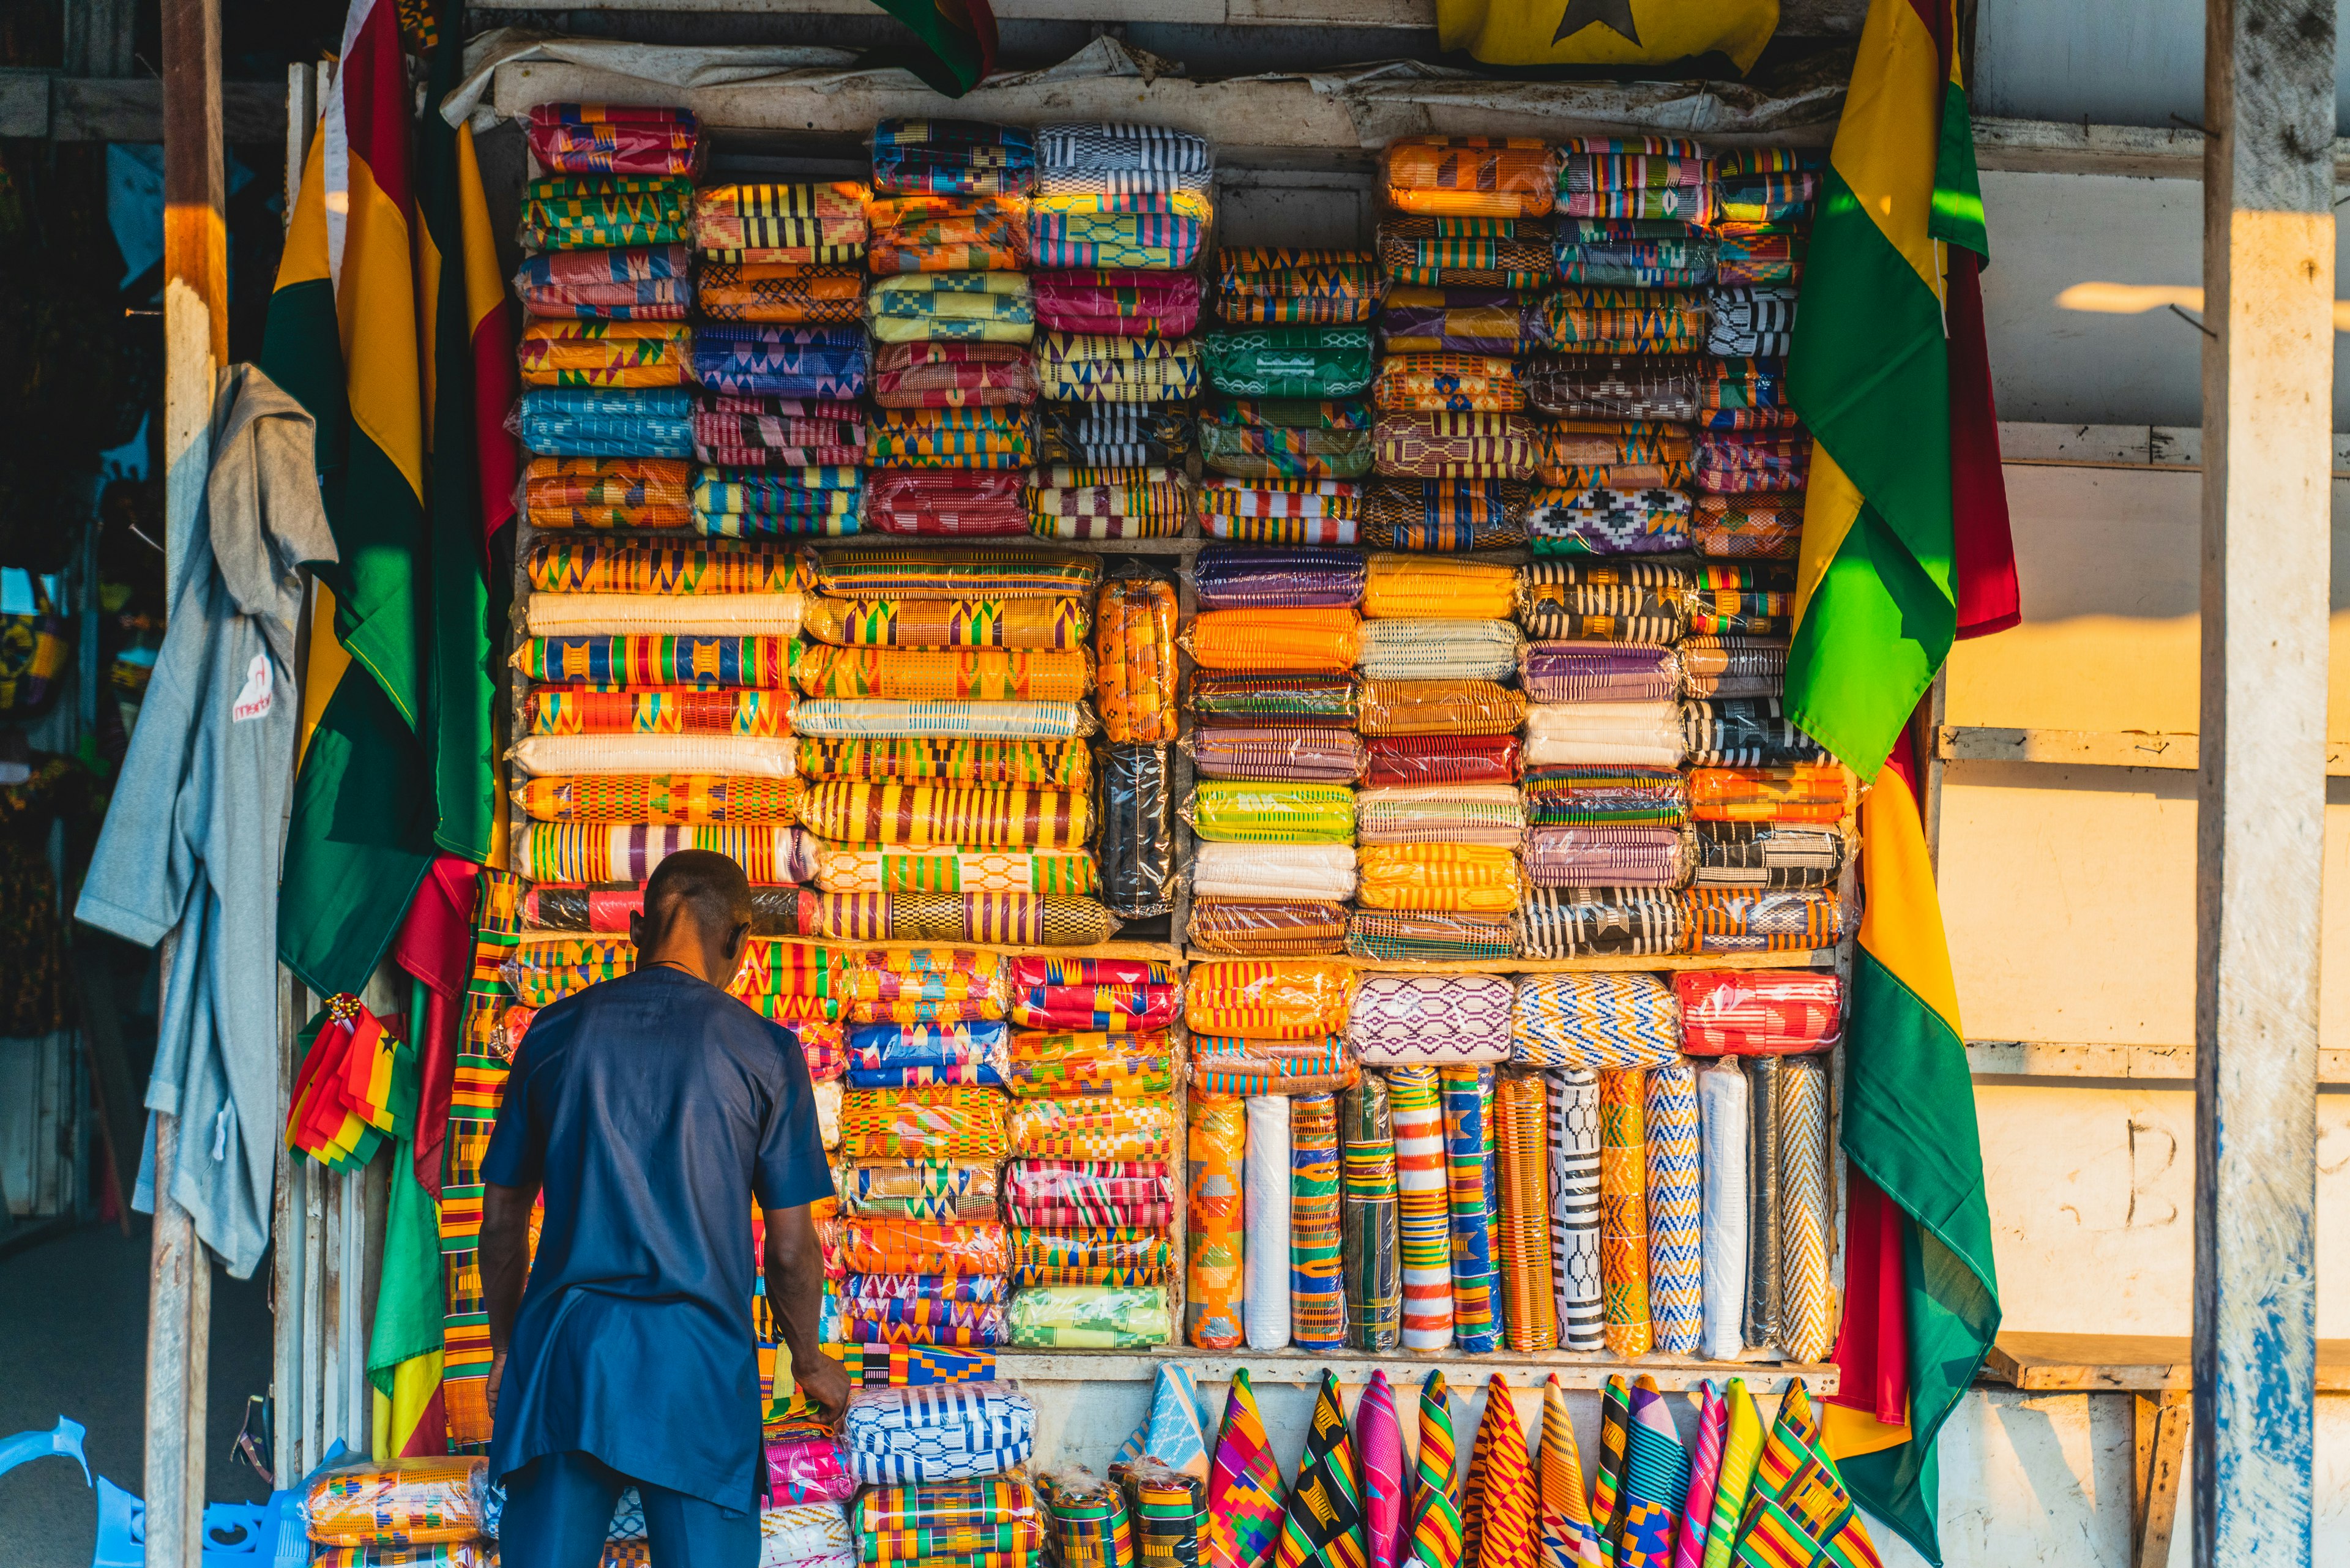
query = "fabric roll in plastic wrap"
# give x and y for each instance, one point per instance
(877, 1049)
(1227, 1065)
(604, 354)
(951, 1123)
(623, 778)
(1373, 1259)
(1418, 587)
(1265, 1195)
(965, 437)
(1052, 764)
(1276, 873)
(805, 222)
(1318, 1293)
(1675, 1210)
(646, 283)
(1726, 667)
(938, 674)
(1020, 920)
(1745, 731)
(1470, 176)
(605, 211)
(1768, 527)
(613, 138)
(755, 359)
(1622, 517)
(1137, 839)
(403, 1503)
(953, 375)
(1090, 1317)
(1418, 321)
(1423, 760)
(1612, 601)
(1797, 791)
(775, 912)
(1723, 1109)
(957, 502)
(1476, 1328)
(1098, 367)
(1134, 652)
(938, 233)
(1556, 673)
(1095, 1255)
(1757, 1012)
(1424, 1208)
(1287, 1000)
(1570, 796)
(1767, 1120)
(1421, 444)
(1471, 878)
(589, 422)
(1745, 598)
(924, 1322)
(1170, 1509)
(952, 573)
(1598, 922)
(1418, 1019)
(1277, 579)
(990, 719)
(1093, 1129)
(1230, 752)
(929, 1189)
(951, 1431)
(1521, 1109)
(1243, 929)
(1471, 381)
(786, 293)
(1262, 446)
(1590, 735)
(1128, 995)
(1087, 1063)
(1058, 873)
(1753, 321)
(1218, 1224)
(1615, 385)
(1613, 320)
(1441, 649)
(592, 564)
(1597, 1022)
(1431, 936)
(608, 493)
(1806, 1323)
(1282, 701)
(1644, 178)
(1309, 362)
(1623, 1211)
(560, 615)
(1122, 302)
(1471, 253)
(1445, 813)
(1607, 857)
(1440, 708)
(1231, 812)
(1306, 641)
(884, 1244)
(1007, 816)
(701, 662)
(784, 434)
(1768, 855)
(965, 156)
(1319, 287)
(1736, 920)
(588, 853)
(1572, 1102)
(1615, 454)
(1090, 1527)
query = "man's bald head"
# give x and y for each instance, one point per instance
(696, 915)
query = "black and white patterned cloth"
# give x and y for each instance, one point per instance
(1755, 321)
(1768, 855)
(1113, 148)
(1744, 732)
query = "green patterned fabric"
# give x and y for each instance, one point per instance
(1315, 362)
(1090, 1317)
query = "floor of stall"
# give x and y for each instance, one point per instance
(72, 1342)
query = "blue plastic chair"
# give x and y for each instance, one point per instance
(237, 1534)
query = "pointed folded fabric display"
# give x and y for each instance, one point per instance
(1501, 1527)
(1656, 1481)
(1321, 1526)
(1245, 1498)
(1800, 1511)
(1173, 1433)
(1435, 1540)
(1378, 1454)
(1607, 1484)
(1566, 1538)
(1705, 1478)
(1742, 1452)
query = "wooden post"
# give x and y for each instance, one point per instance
(195, 347)
(2268, 376)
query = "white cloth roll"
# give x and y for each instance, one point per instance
(1291, 873)
(1574, 1096)
(567, 757)
(1721, 1099)
(665, 615)
(1642, 734)
(1264, 1203)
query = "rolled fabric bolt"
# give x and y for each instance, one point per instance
(1722, 1106)
(1675, 1210)
(1265, 1266)
(1521, 1102)
(1423, 1206)
(1465, 1166)
(1762, 1320)
(1218, 1144)
(1575, 1206)
(1374, 1262)
(1317, 1295)
(1805, 1326)
(1623, 1211)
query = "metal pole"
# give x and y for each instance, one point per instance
(2268, 376)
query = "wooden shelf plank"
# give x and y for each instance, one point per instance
(2053, 1363)
(1575, 1370)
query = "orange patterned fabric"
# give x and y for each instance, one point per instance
(1257, 641)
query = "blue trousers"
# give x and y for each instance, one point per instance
(558, 1507)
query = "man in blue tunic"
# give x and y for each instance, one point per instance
(651, 1110)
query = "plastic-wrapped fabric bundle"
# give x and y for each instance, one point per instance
(942, 674)
(1108, 502)
(1745, 731)
(775, 912)
(1440, 708)
(928, 375)
(958, 157)
(1291, 999)
(1286, 439)
(1317, 1294)
(922, 1320)
(1448, 382)
(951, 572)
(1610, 601)
(1441, 649)
(1274, 873)
(1741, 920)
(1750, 321)
(1571, 795)
(1090, 993)
(1600, 923)
(1624, 1212)
(1085, 230)
(1108, 156)
(1792, 792)
(1277, 579)
(607, 492)
(1137, 839)
(1093, 1129)
(1306, 508)
(1447, 814)
(1254, 812)
(1745, 395)
(1418, 1019)
(923, 984)
(1425, 445)
(1445, 516)
(1415, 588)
(889, 1244)
(814, 225)
(644, 283)
(1759, 1013)
(399, 1502)
(1306, 641)
(1134, 653)
(591, 564)
(1473, 878)
(578, 854)
(1738, 463)
(592, 709)
(599, 213)
(1304, 287)
(1622, 454)
(936, 232)
(983, 437)
(1098, 367)
(1273, 701)
(1636, 253)
(1468, 1092)
(1760, 258)
(1267, 928)
(1265, 1262)
(1090, 1526)
(928, 1190)
(1675, 1210)
(1665, 387)
(613, 138)
(1046, 1194)
(950, 307)
(1423, 1206)
(1006, 817)
(778, 432)
(945, 1121)
(1807, 1327)
(1758, 189)
(1624, 321)
(549, 616)
(1027, 623)
(1095, 1255)
(719, 796)
(951, 1431)
(1768, 526)
(1522, 1120)
(812, 1533)
(1052, 764)
(1116, 435)
(990, 1504)
(1419, 759)
(1637, 177)
(1608, 857)
(1555, 673)
(1600, 1022)
(1313, 363)
(756, 502)
(958, 502)
(1714, 666)
(1228, 1066)
(1121, 302)
(1768, 855)
(1012, 919)
(1431, 936)
(1318, 756)
(1089, 1063)
(791, 293)
(573, 421)
(1470, 176)
(1466, 252)
(1451, 321)
(1611, 519)
(755, 359)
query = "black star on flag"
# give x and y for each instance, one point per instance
(1613, 15)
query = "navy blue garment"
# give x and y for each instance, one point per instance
(652, 1107)
(559, 1505)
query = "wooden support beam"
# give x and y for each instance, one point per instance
(2159, 1423)
(2268, 376)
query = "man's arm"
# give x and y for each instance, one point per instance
(794, 1265)
(506, 1268)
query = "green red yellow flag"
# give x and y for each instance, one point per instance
(1606, 32)
(957, 38)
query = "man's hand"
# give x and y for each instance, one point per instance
(822, 1382)
(498, 1375)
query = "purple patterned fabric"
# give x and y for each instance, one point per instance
(1606, 858)
(1598, 673)
(763, 362)
(1264, 579)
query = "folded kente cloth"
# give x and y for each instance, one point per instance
(572, 212)
(1624, 321)
(607, 492)
(748, 502)
(1622, 454)
(1090, 993)
(1063, 764)
(1745, 731)
(1417, 587)
(1449, 382)
(549, 614)
(1266, 929)
(986, 1504)
(1615, 385)
(984, 437)
(1230, 1065)
(871, 1046)
(1223, 811)
(1603, 1023)
(1440, 813)
(612, 710)
(1092, 1317)
(1324, 756)
(1466, 252)
(1306, 288)
(1734, 462)
(956, 306)
(1476, 877)
(571, 352)
(1307, 641)
(1272, 579)
(1274, 872)
(1115, 435)
(1268, 1000)
(1091, 1255)
(943, 233)
(613, 138)
(778, 432)
(1600, 923)
(1104, 147)
(574, 854)
(951, 375)
(812, 225)
(1628, 601)
(1759, 188)
(1741, 921)
(1600, 521)
(1269, 438)
(1759, 1013)
(1309, 362)
(1271, 700)
(649, 283)
(988, 816)
(921, 674)
(1637, 735)
(584, 422)
(1123, 303)
(1087, 1063)
(1555, 672)
(786, 292)
(1733, 666)
(947, 623)
(1440, 708)
(1470, 176)
(691, 798)
(1134, 649)
(1088, 238)
(1439, 650)
(1768, 855)
(1750, 321)
(1431, 936)
(1274, 511)
(1745, 394)
(1650, 177)
(1065, 873)
(1440, 759)
(1792, 792)
(700, 661)
(1066, 1194)
(1093, 1129)
(1444, 515)
(1417, 1018)
(1760, 258)
(1634, 253)
(948, 1432)
(1138, 837)
(755, 359)
(1580, 795)
(1608, 857)
(923, 1321)
(1474, 321)
(593, 565)
(1768, 525)
(983, 720)
(1423, 445)
(1095, 367)
(1074, 503)
(952, 156)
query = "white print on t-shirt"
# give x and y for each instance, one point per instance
(254, 700)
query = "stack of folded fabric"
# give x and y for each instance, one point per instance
(1089, 1196)
(903, 1442)
(992, 1523)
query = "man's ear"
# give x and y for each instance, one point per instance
(738, 942)
(637, 929)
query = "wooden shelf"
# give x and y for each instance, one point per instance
(1354, 1367)
(2077, 1363)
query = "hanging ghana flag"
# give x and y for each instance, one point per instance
(1606, 32)
(960, 38)
(1906, 544)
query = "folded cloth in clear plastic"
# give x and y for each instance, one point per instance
(1266, 929)
(928, 375)
(1636, 177)
(1440, 708)
(1768, 855)
(924, 1189)
(1094, 1128)
(1789, 792)
(1445, 516)
(1089, 993)
(1448, 814)
(808, 1470)
(1755, 321)
(1602, 1021)
(1615, 385)
(1138, 836)
(1320, 287)
(1600, 923)
(995, 720)
(1604, 521)
(1745, 731)
(1757, 1012)
(1732, 666)
(1115, 435)
(1638, 735)
(1229, 1064)
(1274, 701)
(647, 282)
(1768, 525)
(796, 1532)
(587, 422)
(1612, 601)
(1063, 1193)
(1440, 759)
(1277, 579)
(1312, 640)
(398, 1503)
(1091, 1317)
(1256, 812)
(1244, 752)
(1557, 673)
(1274, 872)
(1608, 856)
(1468, 253)
(1572, 795)
(1736, 920)
(1439, 650)
(953, 155)
(1431, 936)
(1134, 654)
(1293, 1000)
(1739, 463)
(1403, 586)
(1470, 176)
(1479, 878)
(1089, 1063)
(1124, 301)
(1315, 362)
(1439, 1019)
(613, 138)
(1638, 253)
(948, 1431)
(883, 1243)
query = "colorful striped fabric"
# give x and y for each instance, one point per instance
(1310, 640)
(607, 492)
(1564, 1510)
(952, 156)
(589, 709)
(1269, 1000)
(930, 1189)
(1021, 623)
(1005, 817)
(1379, 1440)
(1242, 928)
(1216, 1227)
(1124, 302)
(1098, 368)
(1152, 241)
(1467, 877)
(1520, 1138)
(1447, 814)
(703, 663)
(812, 225)
(1607, 1480)
(1625, 321)
(1466, 252)
(1096, 1255)
(1705, 1476)
(1304, 287)
(1474, 1306)
(1639, 177)
(956, 1122)
(788, 293)
(661, 798)
(1244, 1501)
(1052, 764)
(1675, 1205)
(1228, 812)
(591, 564)
(951, 375)
(649, 283)
(1304, 362)
(932, 233)
(1011, 918)
(756, 359)
(1372, 1256)
(1734, 919)
(1470, 176)
(1429, 937)
(1322, 1524)
(1317, 1295)
(1597, 1022)
(1423, 1208)
(1060, 874)
(943, 675)
(1440, 759)
(574, 854)
(1445, 516)
(606, 354)
(1094, 1128)
(1240, 752)
(1251, 875)
(1448, 382)
(1436, 1533)
(572, 212)
(1010, 720)
(1620, 454)
(1656, 1482)
(1441, 321)
(954, 306)
(1640, 252)
(1498, 1526)
(776, 432)
(616, 138)
(977, 437)
(1623, 1211)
